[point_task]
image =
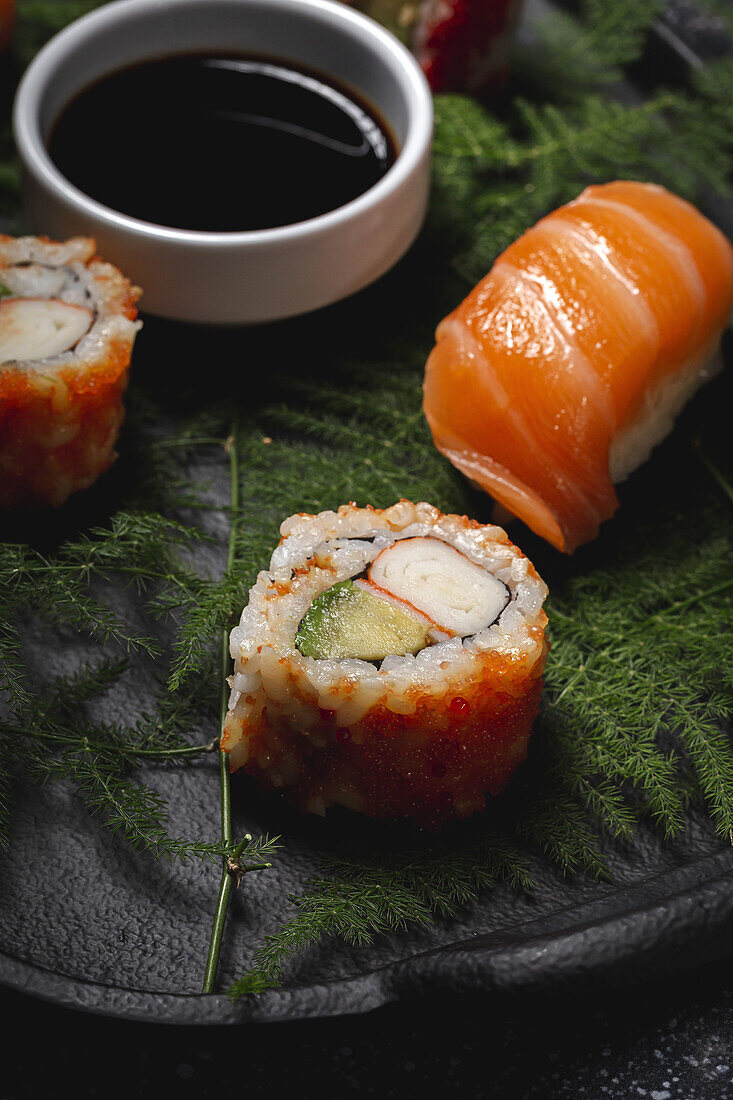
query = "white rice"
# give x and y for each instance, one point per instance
(319, 551)
(31, 267)
(635, 441)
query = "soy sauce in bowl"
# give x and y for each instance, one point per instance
(220, 143)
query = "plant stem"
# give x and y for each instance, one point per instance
(723, 484)
(129, 751)
(191, 441)
(228, 879)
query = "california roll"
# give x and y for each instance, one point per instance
(67, 325)
(389, 661)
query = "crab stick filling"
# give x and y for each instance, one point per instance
(439, 581)
(417, 592)
(40, 328)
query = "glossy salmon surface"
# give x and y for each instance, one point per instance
(585, 337)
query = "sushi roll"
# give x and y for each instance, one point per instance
(570, 360)
(67, 326)
(389, 661)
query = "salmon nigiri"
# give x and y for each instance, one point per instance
(569, 361)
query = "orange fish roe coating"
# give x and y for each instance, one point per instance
(60, 415)
(436, 763)
(422, 738)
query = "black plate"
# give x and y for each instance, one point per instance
(86, 923)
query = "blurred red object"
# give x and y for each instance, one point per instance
(7, 22)
(462, 45)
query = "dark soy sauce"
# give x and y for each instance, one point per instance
(219, 143)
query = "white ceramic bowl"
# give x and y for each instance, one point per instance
(234, 278)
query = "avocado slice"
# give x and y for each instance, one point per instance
(348, 621)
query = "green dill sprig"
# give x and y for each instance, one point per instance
(12, 665)
(53, 738)
(572, 53)
(6, 795)
(504, 173)
(661, 654)
(366, 897)
(95, 759)
(134, 811)
(218, 602)
(136, 548)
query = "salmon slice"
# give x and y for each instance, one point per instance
(567, 363)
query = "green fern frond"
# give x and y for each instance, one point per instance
(6, 793)
(134, 811)
(571, 53)
(366, 897)
(13, 675)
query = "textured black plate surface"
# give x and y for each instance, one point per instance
(86, 923)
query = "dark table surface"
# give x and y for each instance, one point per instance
(671, 1040)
